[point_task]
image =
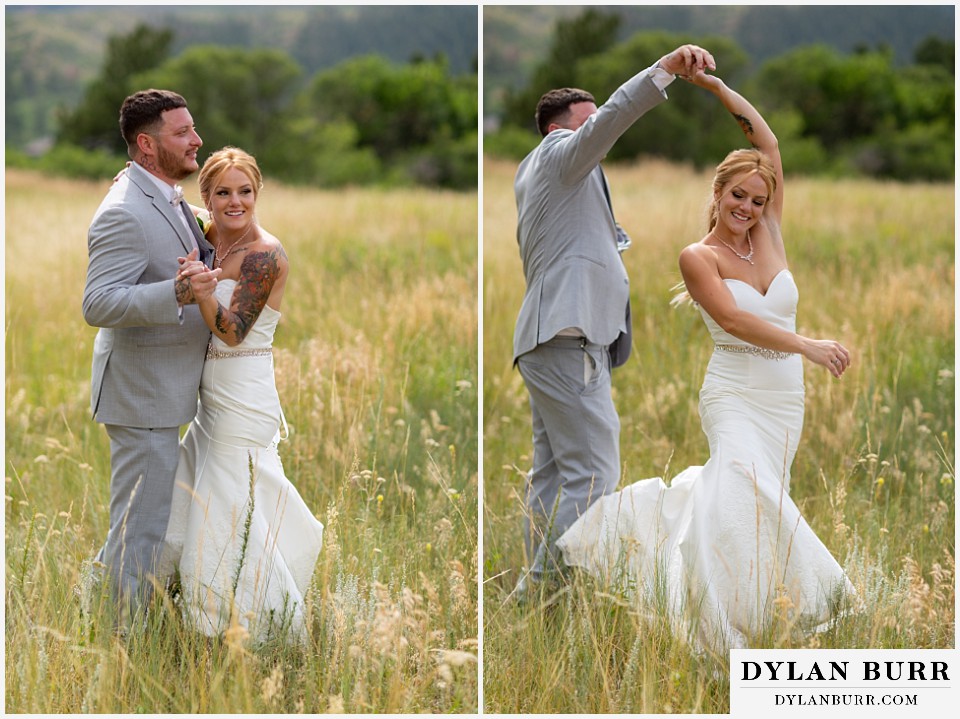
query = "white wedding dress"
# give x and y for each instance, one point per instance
(724, 548)
(232, 499)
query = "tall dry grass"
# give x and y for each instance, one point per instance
(376, 364)
(874, 475)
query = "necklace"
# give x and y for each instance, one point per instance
(218, 260)
(747, 257)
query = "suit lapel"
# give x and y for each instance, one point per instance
(606, 191)
(136, 175)
(620, 349)
(206, 249)
(171, 213)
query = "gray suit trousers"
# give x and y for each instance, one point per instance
(576, 441)
(143, 467)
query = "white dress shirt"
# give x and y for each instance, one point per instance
(169, 192)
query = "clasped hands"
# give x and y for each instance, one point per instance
(690, 63)
(687, 60)
(195, 282)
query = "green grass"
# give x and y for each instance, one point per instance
(874, 474)
(376, 364)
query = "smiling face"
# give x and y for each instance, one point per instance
(741, 203)
(232, 201)
(176, 144)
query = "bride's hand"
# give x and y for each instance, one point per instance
(702, 79)
(122, 172)
(189, 268)
(830, 354)
(686, 60)
(195, 282)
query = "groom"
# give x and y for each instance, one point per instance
(574, 323)
(149, 352)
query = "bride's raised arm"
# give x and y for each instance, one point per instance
(754, 127)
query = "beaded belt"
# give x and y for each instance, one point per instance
(758, 351)
(214, 353)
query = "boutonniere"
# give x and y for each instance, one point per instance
(203, 219)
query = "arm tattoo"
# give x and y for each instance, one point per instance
(258, 273)
(220, 320)
(745, 124)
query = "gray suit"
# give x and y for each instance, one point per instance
(147, 361)
(574, 279)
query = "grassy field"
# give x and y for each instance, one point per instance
(376, 365)
(874, 475)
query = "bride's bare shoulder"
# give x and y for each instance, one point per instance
(697, 255)
(268, 242)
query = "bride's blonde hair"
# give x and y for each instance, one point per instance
(226, 159)
(739, 165)
(736, 166)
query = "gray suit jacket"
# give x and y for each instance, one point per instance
(566, 229)
(146, 359)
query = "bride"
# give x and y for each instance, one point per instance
(724, 544)
(244, 542)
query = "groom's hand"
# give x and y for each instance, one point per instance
(194, 282)
(687, 60)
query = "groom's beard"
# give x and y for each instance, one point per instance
(172, 165)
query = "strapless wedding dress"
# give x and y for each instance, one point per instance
(724, 548)
(241, 536)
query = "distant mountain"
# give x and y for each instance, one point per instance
(516, 37)
(52, 52)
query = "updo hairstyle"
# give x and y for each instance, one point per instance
(736, 167)
(221, 161)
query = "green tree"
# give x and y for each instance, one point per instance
(920, 145)
(924, 93)
(840, 98)
(93, 124)
(574, 40)
(236, 97)
(936, 51)
(870, 117)
(690, 126)
(326, 154)
(417, 120)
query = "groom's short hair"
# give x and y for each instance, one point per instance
(143, 112)
(556, 104)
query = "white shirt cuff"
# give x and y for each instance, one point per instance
(661, 78)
